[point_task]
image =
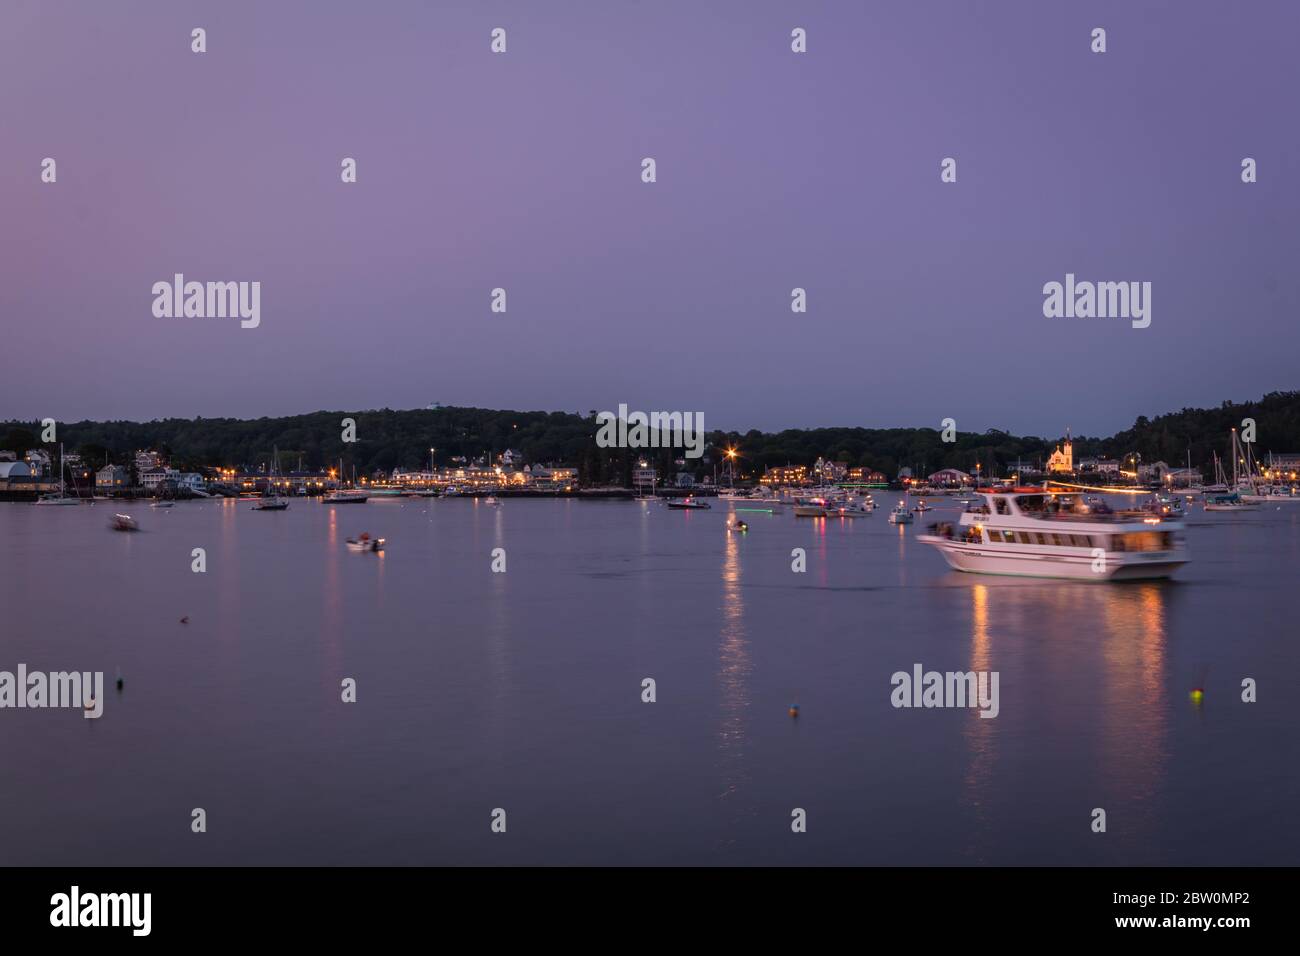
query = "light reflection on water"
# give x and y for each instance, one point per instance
(980, 733)
(734, 667)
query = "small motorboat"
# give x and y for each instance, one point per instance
(491, 501)
(854, 509)
(364, 543)
(689, 504)
(123, 523)
(1166, 506)
(901, 515)
(735, 524)
(162, 504)
(810, 508)
(271, 503)
(922, 506)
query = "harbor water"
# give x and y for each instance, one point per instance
(524, 690)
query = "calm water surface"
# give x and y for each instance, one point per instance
(523, 691)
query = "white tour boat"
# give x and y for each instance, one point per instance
(1033, 533)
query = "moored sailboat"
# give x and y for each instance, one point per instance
(62, 497)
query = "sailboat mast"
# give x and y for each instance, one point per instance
(1234, 459)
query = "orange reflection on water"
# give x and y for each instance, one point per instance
(1135, 712)
(979, 732)
(227, 571)
(332, 600)
(734, 668)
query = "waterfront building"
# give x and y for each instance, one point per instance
(1281, 467)
(554, 476)
(154, 477)
(949, 478)
(15, 469)
(786, 475)
(112, 477)
(832, 471)
(147, 461)
(1155, 471)
(866, 476)
(38, 459)
(191, 481)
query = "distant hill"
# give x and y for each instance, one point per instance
(388, 439)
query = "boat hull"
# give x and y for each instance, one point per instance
(1074, 565)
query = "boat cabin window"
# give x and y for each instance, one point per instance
(1003, 507)
(1030, 504)
(1143, 541)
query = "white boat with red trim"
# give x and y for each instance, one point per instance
(1032, 533)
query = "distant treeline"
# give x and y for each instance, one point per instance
(387, 439)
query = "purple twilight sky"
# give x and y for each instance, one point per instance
(775, 170)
